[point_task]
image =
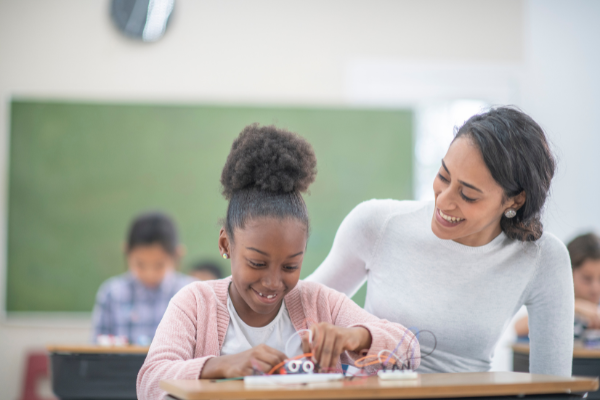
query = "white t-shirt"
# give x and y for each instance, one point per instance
(241, 337)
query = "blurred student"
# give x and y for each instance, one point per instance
(584, 251)
(132, 304)
(206, 271)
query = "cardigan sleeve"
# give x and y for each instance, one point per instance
(550, 305)
(171, 355)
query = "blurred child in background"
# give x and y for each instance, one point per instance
(584, 251)
(206, 271)
(132, 304)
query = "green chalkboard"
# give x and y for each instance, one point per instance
(79, 172)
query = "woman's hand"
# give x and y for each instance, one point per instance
(261, 357)
(330, 341)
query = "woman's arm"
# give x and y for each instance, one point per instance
(550, 305)
(344, 269)
(584, 309)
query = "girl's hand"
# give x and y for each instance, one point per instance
(330, 341)
(261, 357)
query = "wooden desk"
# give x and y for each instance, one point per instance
(479, 384)
(95, 372)
(95, 349)
(578, 351)
(586, 362)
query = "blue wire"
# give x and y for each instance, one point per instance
(412, 356)
(397, 346)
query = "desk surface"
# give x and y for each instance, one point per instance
(426, 386)
(578, 352)
(95, 349)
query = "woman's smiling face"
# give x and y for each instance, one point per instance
(469, 203)
(266, 258)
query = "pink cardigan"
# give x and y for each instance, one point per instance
(194, 326)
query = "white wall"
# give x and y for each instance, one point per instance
(296, 52)
(562, 92)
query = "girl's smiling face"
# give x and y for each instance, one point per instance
(266, 258)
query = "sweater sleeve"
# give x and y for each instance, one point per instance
(344, 269)
(550, 305)
(171, 355)
(385, 335)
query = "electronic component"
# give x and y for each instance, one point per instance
(298, 367)
(262, 380)
(301, 364)
(397, 375)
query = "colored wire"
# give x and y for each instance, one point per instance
(412, 355)
(239, 378)
(434, 344)
(396, 359)
(398, 345)
(298, 333)
(366, 364)
(396, 362)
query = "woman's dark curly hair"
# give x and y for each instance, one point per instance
(516, 151)
(265, 173)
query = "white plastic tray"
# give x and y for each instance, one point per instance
(262, 380)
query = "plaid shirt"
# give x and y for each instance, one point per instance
(125, 307)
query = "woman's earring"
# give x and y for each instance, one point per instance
(510, 213)
(225, 256)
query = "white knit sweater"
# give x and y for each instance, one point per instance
(465, 295)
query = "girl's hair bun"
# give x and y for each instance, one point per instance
(270, 159)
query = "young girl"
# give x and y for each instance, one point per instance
(252, 320)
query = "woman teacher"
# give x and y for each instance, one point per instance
(462, 265)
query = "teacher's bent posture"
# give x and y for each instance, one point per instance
(462, 265)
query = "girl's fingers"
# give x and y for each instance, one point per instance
(281, 356)
(335, 352)
(270, 356)
(316, 342)
(260, 365)
(328, 346)
(305, 345)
